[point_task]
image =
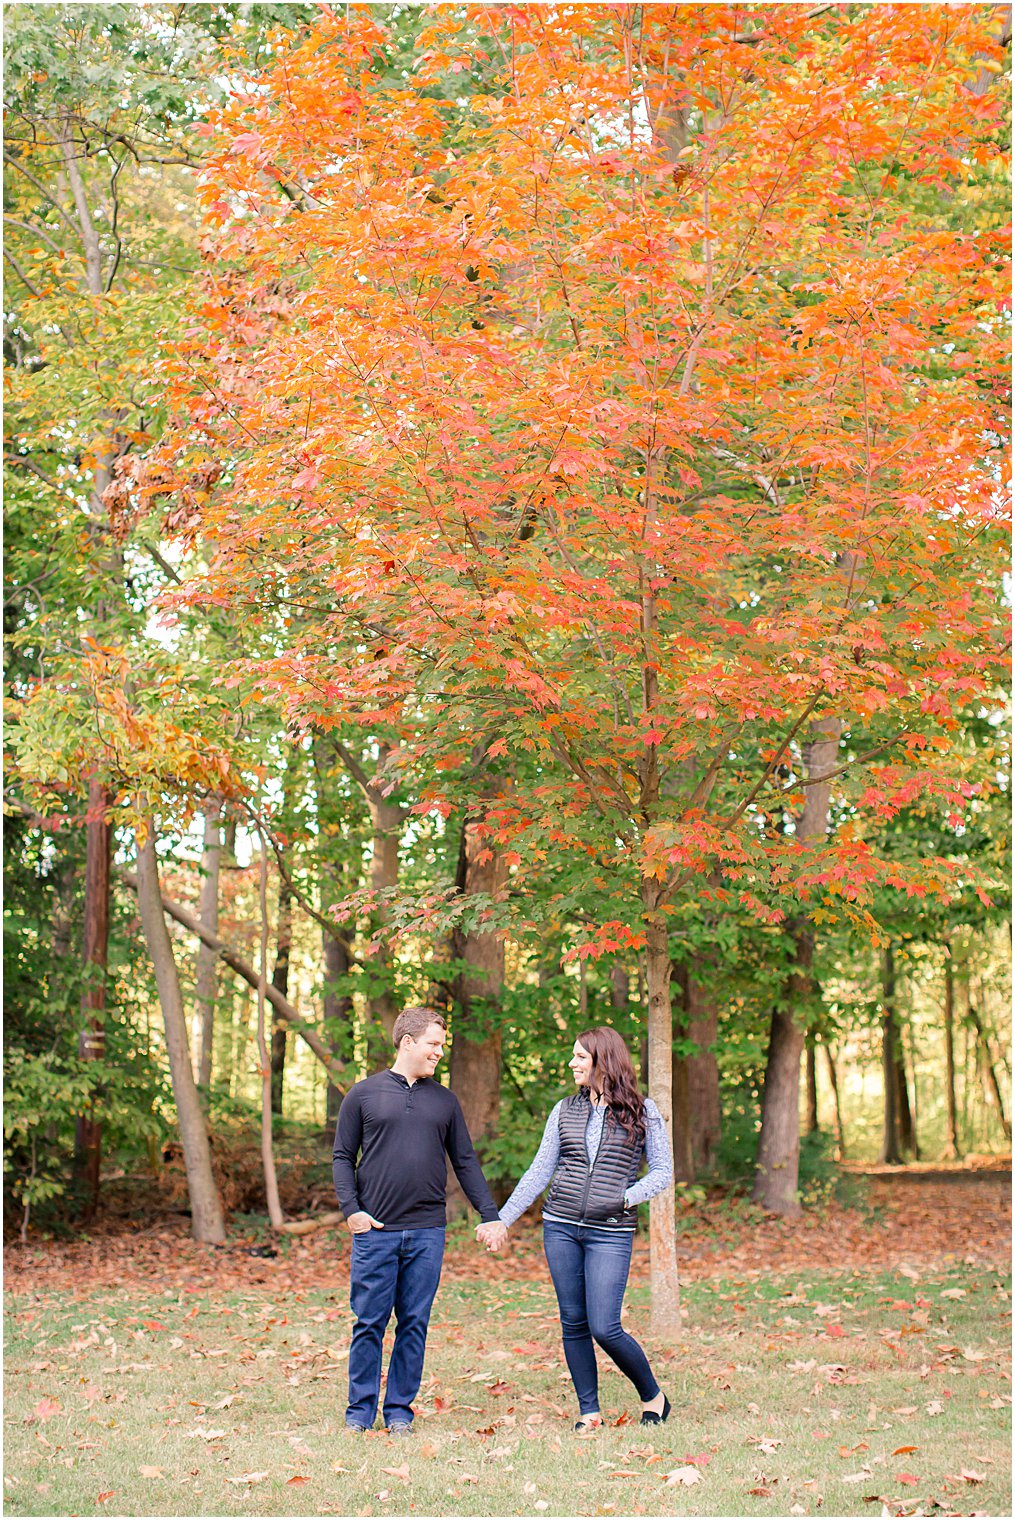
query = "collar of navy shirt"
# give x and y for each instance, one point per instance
(404, 1080)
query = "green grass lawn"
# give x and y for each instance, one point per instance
(834, 1394)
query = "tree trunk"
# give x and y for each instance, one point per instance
(280, 982)
(778, 1165)
(907, 1124)
(337, 1007)
(205, 1206)
(891, 1154)
(833, 1080)
(951, 1147)
(92, 1039)
(206, 976)
(683, 1116)
(992, 1083)
(475, 1032)
(337, 1013)
(911, 1047)
(275, 1216)
(388, 820)
(776, 1181)
(811, 1125)
(697, 1111)
(662, 1231)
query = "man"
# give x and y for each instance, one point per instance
(402, 1125)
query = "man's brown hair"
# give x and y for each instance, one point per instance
(414, 1021)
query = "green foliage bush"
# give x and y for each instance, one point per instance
(43, 1095)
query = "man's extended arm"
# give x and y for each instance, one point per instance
(466, 1164)
(348, 1138)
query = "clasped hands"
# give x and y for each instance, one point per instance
(492, 1234)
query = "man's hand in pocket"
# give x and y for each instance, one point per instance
(361, 1222)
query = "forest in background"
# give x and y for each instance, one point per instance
(504, 509)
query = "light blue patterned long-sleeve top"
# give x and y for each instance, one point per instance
(544, 1163)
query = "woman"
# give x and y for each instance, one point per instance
(591, 1152)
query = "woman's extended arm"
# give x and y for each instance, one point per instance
(544, 1164)
(659, 1158)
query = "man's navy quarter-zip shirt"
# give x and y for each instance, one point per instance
(403, 1135)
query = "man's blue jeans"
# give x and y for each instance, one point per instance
(391, 1270)
(589, 1270)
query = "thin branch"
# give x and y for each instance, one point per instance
(22, 276)
(12, 221)
(163, 564)
(15, 163)
(326, 923)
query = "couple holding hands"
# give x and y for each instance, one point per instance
(396, 1131)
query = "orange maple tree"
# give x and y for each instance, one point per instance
(613, 407)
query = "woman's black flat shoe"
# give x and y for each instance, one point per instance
(651, 1418)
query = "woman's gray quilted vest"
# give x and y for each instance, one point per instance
(584, 1194)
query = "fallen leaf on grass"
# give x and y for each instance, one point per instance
(954, 1293)
(337, 1467)
(903, 1451)
(45, 1409)
(250, 1477)
(972, 1477)
(682, 1475)
(101, 1498)
(206, 1435)
(906, 1478)
(935, 1407)
(397, 1472)
(860, 1477)
(428, 1450)
(540, 1504)
(297, 1478)
(761, 1492)
(151, 1472)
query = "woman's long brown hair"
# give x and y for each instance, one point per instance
(613, 1076)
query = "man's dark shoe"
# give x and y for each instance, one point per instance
(400, 1428)
(351, 1425)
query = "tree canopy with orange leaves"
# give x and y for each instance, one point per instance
(603, 408)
